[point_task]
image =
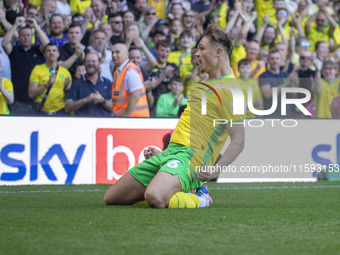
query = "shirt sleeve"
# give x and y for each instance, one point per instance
(133, 80)
(34, 77)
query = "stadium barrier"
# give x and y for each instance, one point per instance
(41, 150)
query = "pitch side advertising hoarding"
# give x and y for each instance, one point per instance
(49, 150)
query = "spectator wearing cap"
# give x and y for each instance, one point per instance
(162, 25)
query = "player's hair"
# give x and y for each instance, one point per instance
(243, 62)
(50, 44)
(177, 79)
(218, 36)
(164, 43)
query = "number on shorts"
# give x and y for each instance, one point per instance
(173, 164)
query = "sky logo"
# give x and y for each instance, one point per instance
(31, 167)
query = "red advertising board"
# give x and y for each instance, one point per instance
(117, 150)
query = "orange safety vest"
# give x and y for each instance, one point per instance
(120, 98)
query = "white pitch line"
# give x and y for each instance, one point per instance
(213, 188)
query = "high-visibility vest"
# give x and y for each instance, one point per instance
(120, 98)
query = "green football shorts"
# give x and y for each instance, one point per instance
(173, 160)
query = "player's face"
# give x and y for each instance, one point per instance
(205, 55)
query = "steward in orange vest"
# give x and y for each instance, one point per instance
(120, 97)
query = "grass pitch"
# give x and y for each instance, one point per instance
(257, 218)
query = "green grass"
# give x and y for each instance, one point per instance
(257, 218)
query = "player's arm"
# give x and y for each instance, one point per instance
(237, 137)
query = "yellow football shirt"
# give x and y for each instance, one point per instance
(7, 84)
(315, 35)
(323, 100)
(57, 95)
(199, 132)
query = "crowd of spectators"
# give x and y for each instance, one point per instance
(136, 58)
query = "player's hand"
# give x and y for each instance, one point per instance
(150, 152)
(207, 173)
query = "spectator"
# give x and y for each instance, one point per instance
(6, 94)
(107, 29)
(176, 11)
(325, 89)
(274, 78)
(47, 9)
(80, 71)
(99, 10)
(157, 36)
(57, 28)
(4, 22)
(163, 72)
(317, 28)
(128, 17)
(128, 91)
(257, 67)
(148, 23)
(321, 50)
(182, 57)
(140, 6)
(72, 52)
(23, 59)
(51, 81)
(91, 94)
(116, 22)
(175, 31)
(246, 82)
(135, 55)
(168, 104)
(306, 77)
(131, 31)
(286, 65)
(98, 45)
